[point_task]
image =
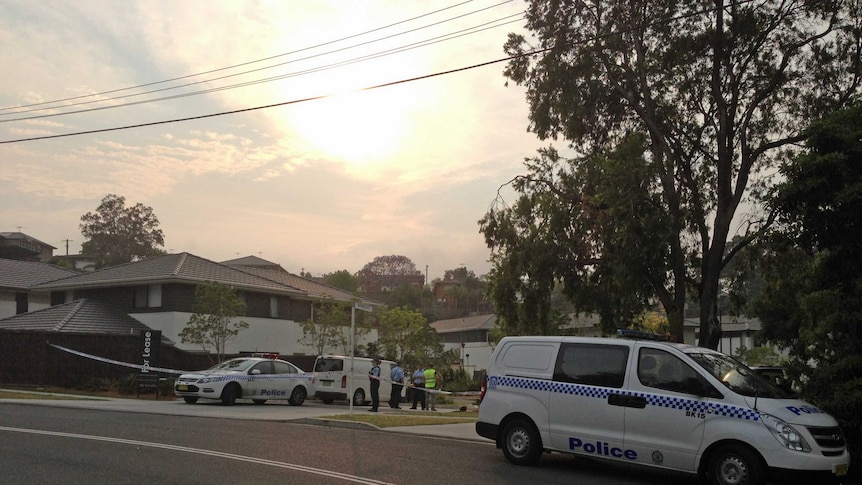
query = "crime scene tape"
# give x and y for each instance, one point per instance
(117, 362)
(406, 385)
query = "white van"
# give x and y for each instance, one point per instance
(331, 379)
(653, 403)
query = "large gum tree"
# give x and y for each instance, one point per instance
(720, 91)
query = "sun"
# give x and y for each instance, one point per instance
(358, 127)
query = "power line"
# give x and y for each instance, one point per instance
(446, 37)
(35, 105)
(527, 54)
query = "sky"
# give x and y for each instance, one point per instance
(315, 185)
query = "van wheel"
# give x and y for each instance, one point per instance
(297, 397)
(359, 397)
(230, 393)
(521, 442)
(735, 465)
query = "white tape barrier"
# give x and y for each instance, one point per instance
(117, 362)
(425, 389)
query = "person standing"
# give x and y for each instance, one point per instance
(374, 377)
(397, 376)
(419, 387)
(431, 386)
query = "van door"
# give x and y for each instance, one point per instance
(585, 417)
(667, 430)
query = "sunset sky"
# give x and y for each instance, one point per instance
(316, 185)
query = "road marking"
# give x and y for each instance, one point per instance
(231, 456)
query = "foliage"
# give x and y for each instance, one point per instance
(580, 222)
(344, 280)
(757, 356)
(406, 336)
(328, 330)
(718, 92)
(118, 234)
(214, 321)
(812, 297)
(390, 265)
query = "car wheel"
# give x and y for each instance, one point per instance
(190, 400)
(297, 397)
(735, 465)
(522, 444)
(359, 397)
(258, 401)
(230, 393)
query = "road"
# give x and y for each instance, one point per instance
(62, 445)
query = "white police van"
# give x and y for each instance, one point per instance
(331, 379)
(653, 403)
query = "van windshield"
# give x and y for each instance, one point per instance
(736, 376)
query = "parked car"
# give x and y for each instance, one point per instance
(256, 378)
(657, 404)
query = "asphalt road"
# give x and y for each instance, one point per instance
(43, 444)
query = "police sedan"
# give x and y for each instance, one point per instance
(255, 378)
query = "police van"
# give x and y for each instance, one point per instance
(653, 403)
(331, 379)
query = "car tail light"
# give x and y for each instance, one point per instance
(344, 382)
(483, 389)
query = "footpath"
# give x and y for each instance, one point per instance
(312, 412)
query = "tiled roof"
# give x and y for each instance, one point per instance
(253, 261)
(21, 235)
(312, 288)
(181, 267)
(80, 316)
(481, 322)
(26, 274)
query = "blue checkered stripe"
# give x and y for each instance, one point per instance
(661, 400)
(244, 377)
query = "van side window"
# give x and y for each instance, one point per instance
(592, 365)
(662, 370)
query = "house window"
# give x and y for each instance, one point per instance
(149, 296)
(20, 303)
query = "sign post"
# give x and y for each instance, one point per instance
(357, 305)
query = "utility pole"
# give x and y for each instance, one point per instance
(67, 241)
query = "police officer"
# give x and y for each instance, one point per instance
(419, 387)
(397, 376)
(374, 377)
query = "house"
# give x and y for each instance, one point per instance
(159, 292)
(17, 279)
(17, 245)
(375, 284)
(442, 294)
(736, 332)
(470, 338)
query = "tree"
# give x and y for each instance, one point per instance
(329, 328)
(214, 321)
(717, 91)
(405, 335)
(344, 280)
(117, 234)
(390, 265)
(811, 299)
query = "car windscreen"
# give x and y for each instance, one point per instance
(234, 365)
(329, 365)
(736, 376)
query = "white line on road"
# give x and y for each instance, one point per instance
(231, 456)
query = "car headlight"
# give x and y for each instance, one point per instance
(784, 433)
(205, 380)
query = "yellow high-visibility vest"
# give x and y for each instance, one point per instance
(430, 378)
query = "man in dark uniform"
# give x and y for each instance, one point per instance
(397, 377)
(374, 377)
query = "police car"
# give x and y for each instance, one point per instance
(658, 404)
(257, 378)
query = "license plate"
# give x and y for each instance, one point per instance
(840, 470)
(327, 383)
(182, 387)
